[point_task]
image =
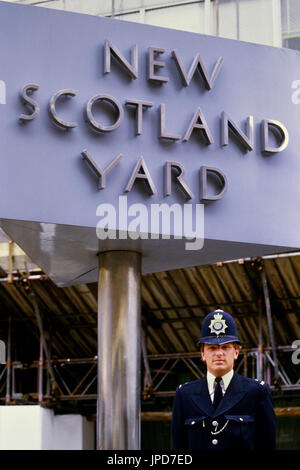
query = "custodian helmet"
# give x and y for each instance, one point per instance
(218, 327)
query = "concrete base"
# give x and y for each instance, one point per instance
(31, 427)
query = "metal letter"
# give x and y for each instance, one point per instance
(29, 102)
(202, 126)
(284, 135)
(197, 64)
(53, 113)
(131, 69)
(246, 140)
(95, 125)
(141, 165)
(168, 170)
(101, 174)
(156, 63)
(139, 112)
(203, 183)
(163, 134)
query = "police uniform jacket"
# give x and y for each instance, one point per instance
(244, 418)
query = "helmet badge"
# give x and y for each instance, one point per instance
(218, 325)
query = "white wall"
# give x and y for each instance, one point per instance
(31, 427)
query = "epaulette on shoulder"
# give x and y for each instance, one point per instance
(182, 385)
(261, 382)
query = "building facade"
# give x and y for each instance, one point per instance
(270, 22)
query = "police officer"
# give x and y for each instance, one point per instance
(223, 410)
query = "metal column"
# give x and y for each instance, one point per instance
(119, 332)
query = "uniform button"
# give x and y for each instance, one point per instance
(214, 442)
(215, 423)
(241, 419)
(193, 422)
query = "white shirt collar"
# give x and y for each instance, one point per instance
(226, 381)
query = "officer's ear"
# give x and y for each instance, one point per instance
(237, 348)
(202, 352)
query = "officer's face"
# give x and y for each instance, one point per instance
(219, 358)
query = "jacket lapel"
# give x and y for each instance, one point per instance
(202, 400)
(234, 393)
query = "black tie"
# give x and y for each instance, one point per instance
(218, 395)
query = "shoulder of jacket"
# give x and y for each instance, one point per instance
(188, 384)
(253, 382)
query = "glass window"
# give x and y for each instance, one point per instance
(189, 17)
(257, 21)
(246, 20)
(290, 19)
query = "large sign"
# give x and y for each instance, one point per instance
(116, 135)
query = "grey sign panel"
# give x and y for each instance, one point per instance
(92, 109)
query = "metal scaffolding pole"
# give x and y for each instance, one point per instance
(42, 338)
(40, 372)
(269, 319)
(147, 374)
(260, 342)
(119, 332)
(8, 363)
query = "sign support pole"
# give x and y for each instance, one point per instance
(119, 332)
